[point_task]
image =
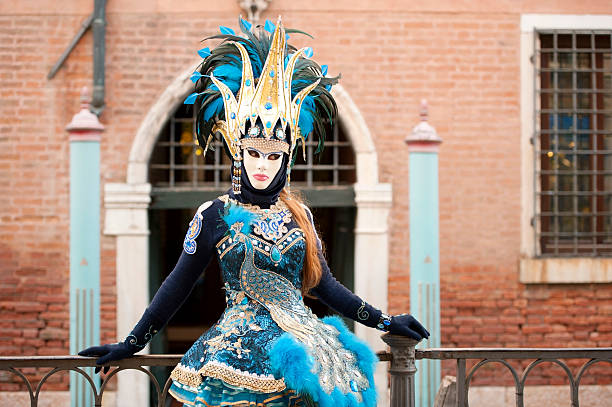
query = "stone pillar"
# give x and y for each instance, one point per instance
(85, 132)
(372, 259)
(423, 144)
(127, 218)
(401, 370)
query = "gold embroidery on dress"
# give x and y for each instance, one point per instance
(238, 378)
(277, 207)
(235, 377)
(272, 225)
(235, 321)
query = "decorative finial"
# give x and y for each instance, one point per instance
(85, 125)
(424, 111)
(253, 8)
(85, 98)
(423, 133)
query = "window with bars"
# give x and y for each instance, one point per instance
(573, 143)
(177, 163)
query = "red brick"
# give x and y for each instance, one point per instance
(464, 59)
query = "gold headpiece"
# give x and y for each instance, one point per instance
(270, 100)
(266, 101)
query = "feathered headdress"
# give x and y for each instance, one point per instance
(257, 80)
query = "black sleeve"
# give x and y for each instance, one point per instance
(339, 298)
(198, 248)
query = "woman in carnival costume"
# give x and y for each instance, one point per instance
(263, 97)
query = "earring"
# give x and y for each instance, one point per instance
(236, 173)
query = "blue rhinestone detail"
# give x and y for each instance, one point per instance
(275, 254)
(268, 124)
(271, 74)
(247, 82)
(268, 106)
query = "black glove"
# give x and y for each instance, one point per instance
(134, 342)
(407, 325)
(110, 352)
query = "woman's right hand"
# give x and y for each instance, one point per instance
(110, 352)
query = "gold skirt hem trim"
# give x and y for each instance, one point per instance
(229, 376)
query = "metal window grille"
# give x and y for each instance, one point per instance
(177, 163)
(573, 143)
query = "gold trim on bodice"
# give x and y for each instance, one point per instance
(296, 235)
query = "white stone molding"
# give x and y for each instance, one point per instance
(126, 218)
(126, 214)
(548, 270)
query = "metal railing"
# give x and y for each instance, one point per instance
(402, 368)
(404, 355)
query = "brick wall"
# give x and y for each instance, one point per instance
(464, 59)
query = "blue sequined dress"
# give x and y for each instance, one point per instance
(267, 349)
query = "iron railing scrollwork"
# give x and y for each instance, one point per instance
(402, 368)
(484, 356)
(76, 363)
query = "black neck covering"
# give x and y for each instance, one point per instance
(263, 198)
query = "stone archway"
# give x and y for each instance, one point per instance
(126, 217)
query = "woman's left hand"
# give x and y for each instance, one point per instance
(407, 325)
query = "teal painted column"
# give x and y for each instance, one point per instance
(85, 131)
(423, 144)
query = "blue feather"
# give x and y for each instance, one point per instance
(227, 73)
(213, 108)
(226, 30)
(306, 120)
(195, 76)
(308, 52)
(324, 70)
(246, 26)
(191, 99)
(291, 360)
(269, 27)
(204, 52)
(234, 213)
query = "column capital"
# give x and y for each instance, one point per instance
(424, 137)
(126, 208)
(85, 125)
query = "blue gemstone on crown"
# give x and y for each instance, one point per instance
(268, 124)
(268, 105)
(247, 82)
(271, 74)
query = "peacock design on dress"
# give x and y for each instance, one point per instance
(335, 367)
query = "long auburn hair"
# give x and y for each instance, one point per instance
(311, 272)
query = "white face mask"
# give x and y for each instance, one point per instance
(260, 167)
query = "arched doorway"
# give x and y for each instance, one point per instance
(127, 217)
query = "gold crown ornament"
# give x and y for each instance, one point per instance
(266, 100)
